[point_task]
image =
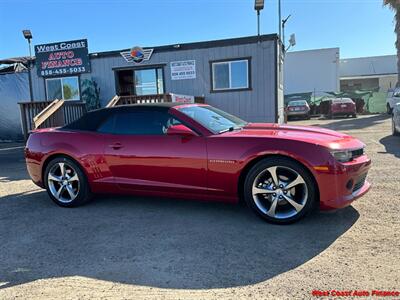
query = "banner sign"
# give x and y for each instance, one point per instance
(63, 58)
(183, 69)
(182, 98)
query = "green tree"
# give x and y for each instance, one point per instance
(395, 6)
(90, 94)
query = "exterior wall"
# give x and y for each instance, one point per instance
(380, 70)
(387, 82)
(14, 88)
(359, 84)
(312, 70)
(256, 105)
(384, 82)
(368, 66)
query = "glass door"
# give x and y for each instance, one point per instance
(149, 82)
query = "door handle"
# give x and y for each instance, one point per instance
(116, 146)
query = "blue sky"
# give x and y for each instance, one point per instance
(358, 27)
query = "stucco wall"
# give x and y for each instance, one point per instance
(306, 71)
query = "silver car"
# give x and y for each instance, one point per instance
(396, 119)
(298, 108)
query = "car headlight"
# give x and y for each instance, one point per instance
(346, 155)
(342, 155)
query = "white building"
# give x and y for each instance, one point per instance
(322, 70)
(312, 71)
(366, 73)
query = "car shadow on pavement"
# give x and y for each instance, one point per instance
(353, 124)
(155, 242)
(392, 145)
(12, 164)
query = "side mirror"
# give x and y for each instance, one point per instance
(180, 130)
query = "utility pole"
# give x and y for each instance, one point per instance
(283, 31)
(258, 5)
(28, 36)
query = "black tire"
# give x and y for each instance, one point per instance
(266, 163)
(354, 115)
(388, 109)
(394, 131)
(330, 116)
(83, 192)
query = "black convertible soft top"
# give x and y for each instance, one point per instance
(92, 120)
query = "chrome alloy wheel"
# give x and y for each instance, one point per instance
(280, 192)
(63, 182)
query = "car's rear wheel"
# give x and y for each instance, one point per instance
(354, 115)
(279, 190)
(65, 183)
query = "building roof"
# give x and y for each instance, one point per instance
(172, 47)
(367, 66)
(197, 45)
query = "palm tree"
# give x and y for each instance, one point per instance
(395, 6)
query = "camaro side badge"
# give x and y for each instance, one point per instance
(221, 161)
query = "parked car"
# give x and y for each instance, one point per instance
(298, 108)
(200, 152)
(392, 98)
(396, 119)
(342, 107)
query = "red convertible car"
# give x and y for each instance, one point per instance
(197, 151)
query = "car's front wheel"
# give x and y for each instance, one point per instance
(65, 182)
(394, 130)
(389, 109)
(279, 190)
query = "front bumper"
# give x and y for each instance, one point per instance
(345, 184)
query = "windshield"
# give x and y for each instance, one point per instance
(213, 119)
(297, 103)
(342, 100)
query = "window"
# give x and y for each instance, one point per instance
(66, 88)
(149, 82)
(213, 118)
(140, 82)
(230, 75)
(138, 123)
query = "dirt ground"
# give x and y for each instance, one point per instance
(137, 248)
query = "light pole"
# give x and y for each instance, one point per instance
(283, 30)
(28, 36)
(258, 5)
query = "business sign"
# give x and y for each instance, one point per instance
(182, 98)
(183, 69)
(63, 58)
(137, 54)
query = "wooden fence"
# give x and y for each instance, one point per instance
(44, 114)
(126, 100)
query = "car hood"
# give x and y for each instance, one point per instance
(309, 134)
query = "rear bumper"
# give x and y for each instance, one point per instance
(34, 166)
(297, 113)
(343, 112)
(34, 170)
(348, 183)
